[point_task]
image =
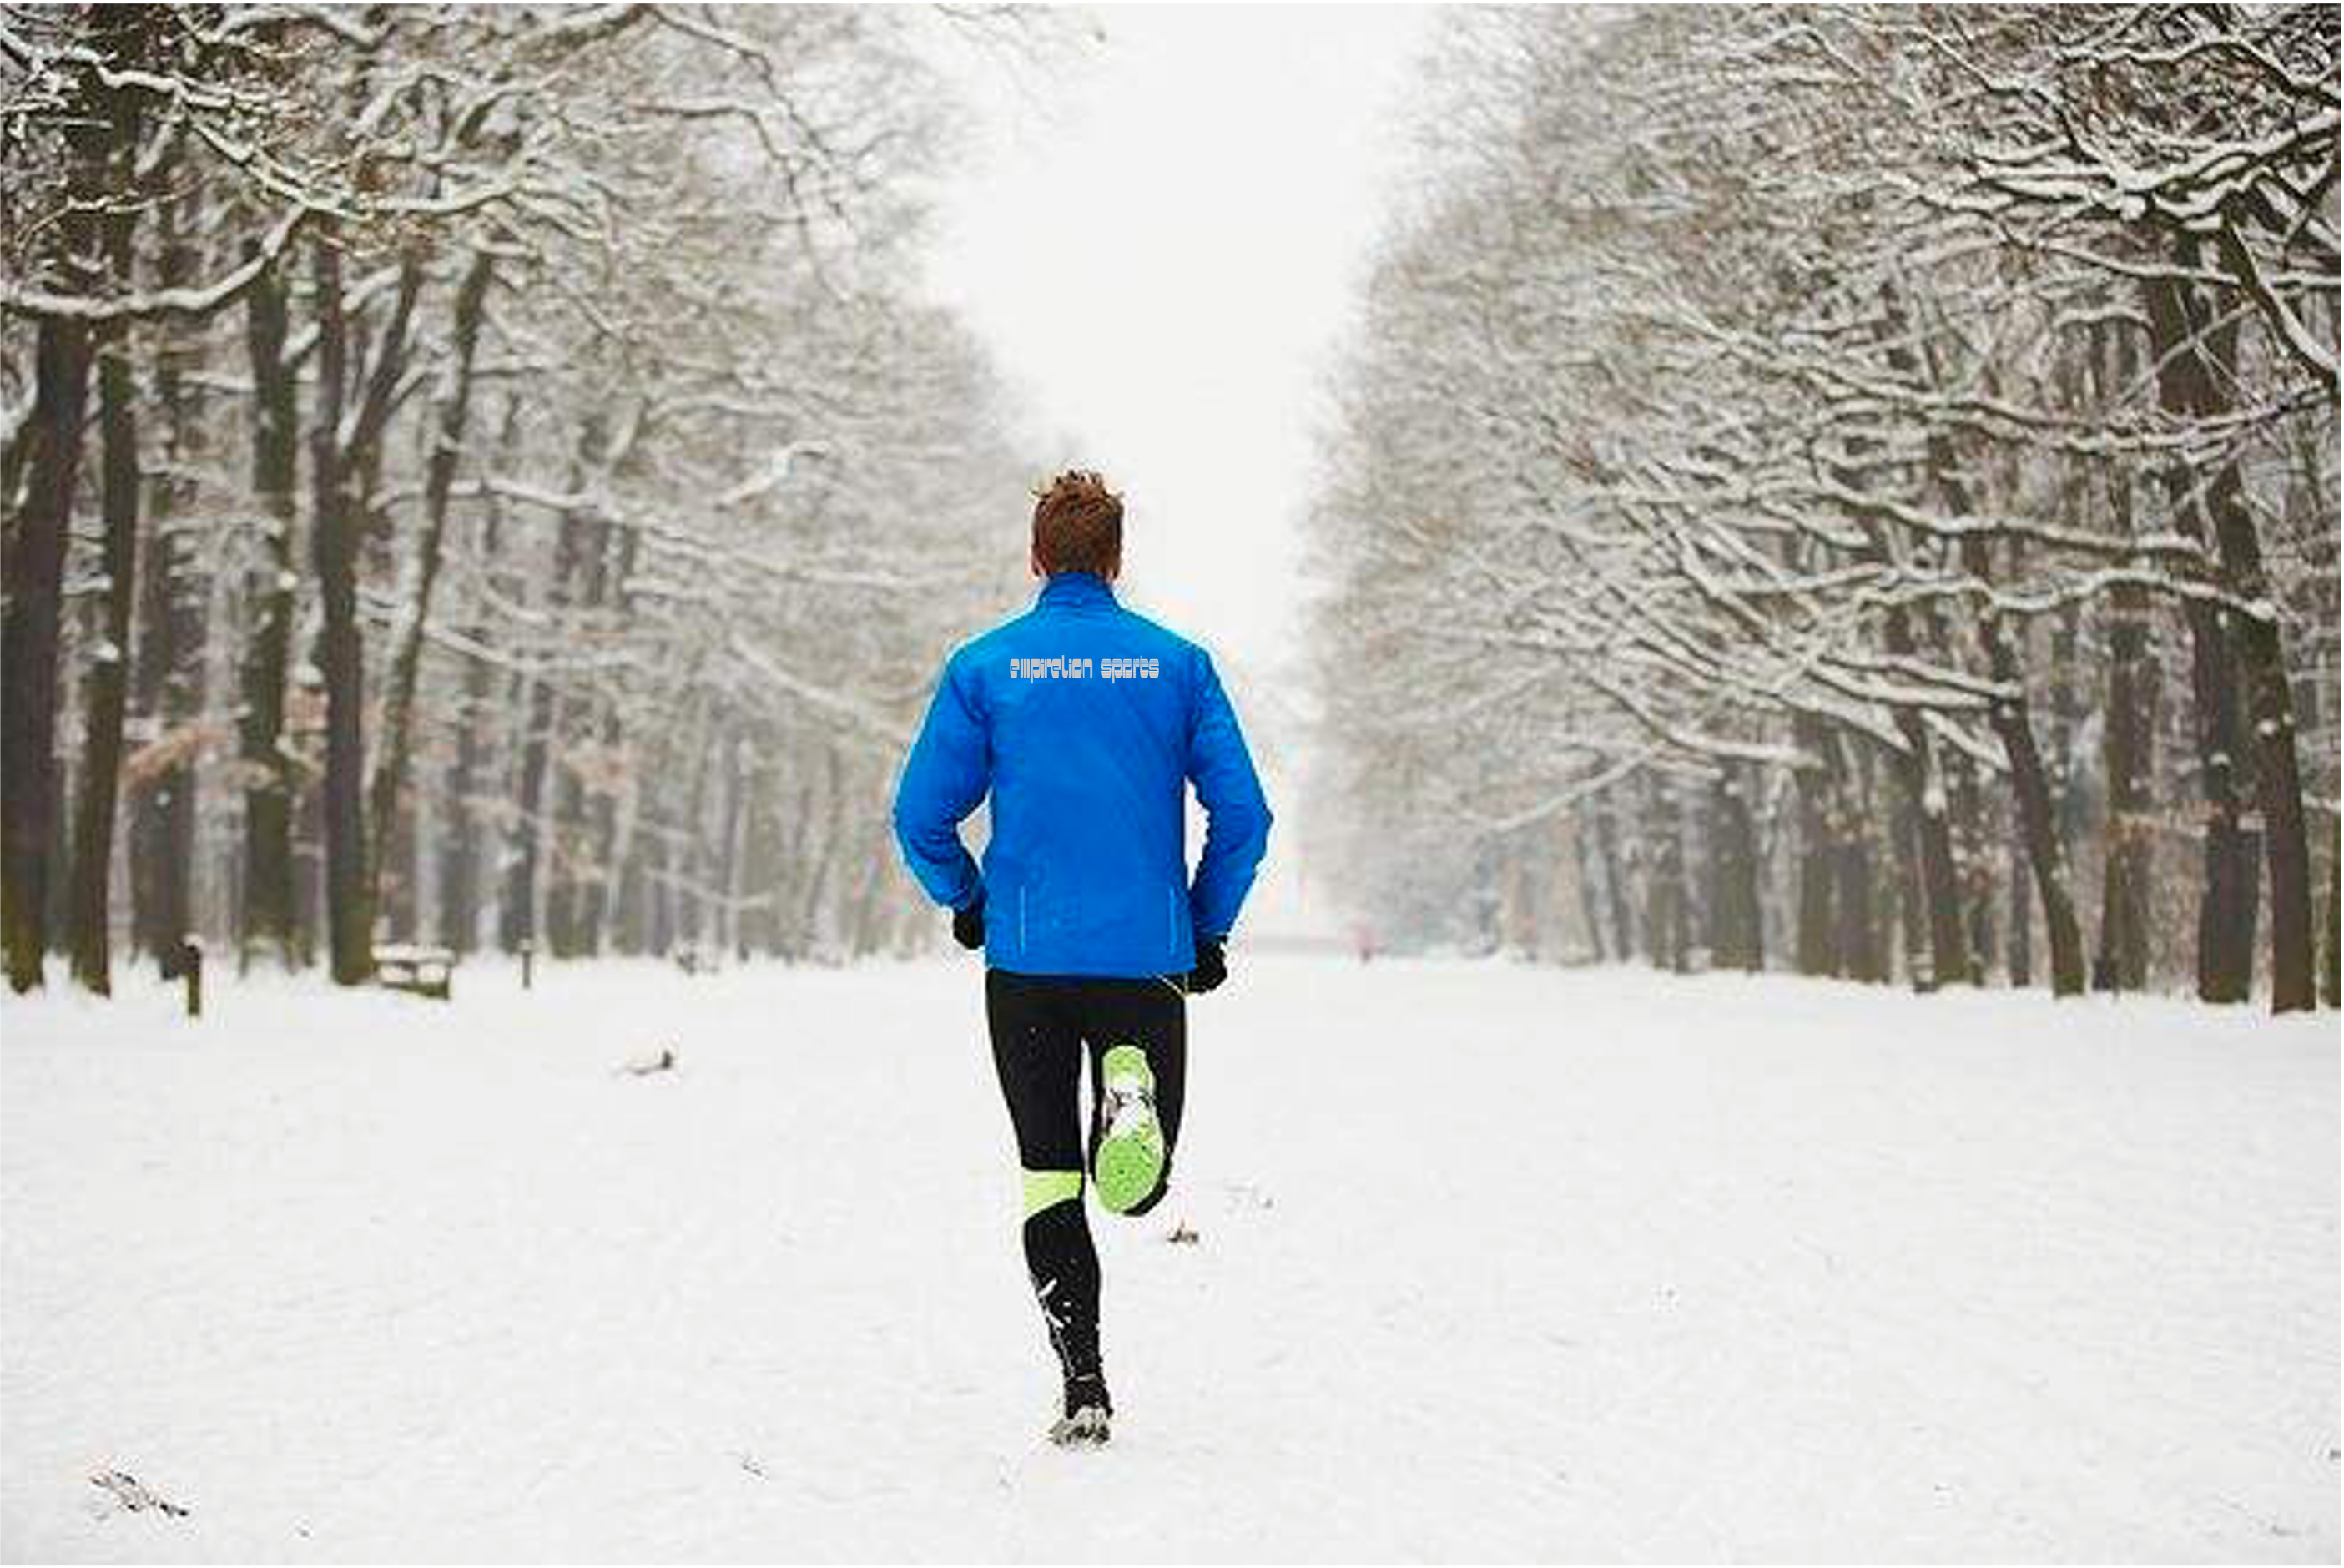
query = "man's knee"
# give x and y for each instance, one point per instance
(1046, 1189)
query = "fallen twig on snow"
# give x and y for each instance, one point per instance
(133, 1495)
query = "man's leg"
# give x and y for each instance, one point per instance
(1038, 1052)
(1150, 1015)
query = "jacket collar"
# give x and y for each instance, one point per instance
(1068, 590)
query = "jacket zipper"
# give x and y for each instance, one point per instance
(1021, 919)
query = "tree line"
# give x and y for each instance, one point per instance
(473, 475)
(1856, 490)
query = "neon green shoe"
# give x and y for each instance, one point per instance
(1131, 1155)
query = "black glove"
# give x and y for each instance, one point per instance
(968, 922)
(1212, 967)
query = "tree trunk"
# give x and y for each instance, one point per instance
(738, 761)
(1937, 885)
(2225, 645)
(91, 921)
(1817, 947)
(2038, 821)
(2046, 856)
(2129, 734)
(270, 779)
(391, 762)
(29, 673)
(460, 836)
(603, 831)
(334, 544)
(1615, 879)
(1860, 947)
(1668, 936)
(1590, 913)
(2021, 950)
(585, 539)
(1933, 885)
(1736, 939)
(2331, 974)
(2258, 641)
(171, 654)
(517, 922)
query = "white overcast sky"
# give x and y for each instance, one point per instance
(1160, 238)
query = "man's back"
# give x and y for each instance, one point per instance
(1086, 722)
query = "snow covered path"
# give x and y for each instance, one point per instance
(1495, 1262)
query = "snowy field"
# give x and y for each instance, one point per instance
(1494, 1262)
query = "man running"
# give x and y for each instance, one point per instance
(1084, 722)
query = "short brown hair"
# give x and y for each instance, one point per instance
(1079, 525)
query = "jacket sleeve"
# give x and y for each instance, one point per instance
(944, 777)
(1236, 813)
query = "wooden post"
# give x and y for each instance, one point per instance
(191, 972)
(528, 956)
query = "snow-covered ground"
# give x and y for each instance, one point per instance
(1494, 1262)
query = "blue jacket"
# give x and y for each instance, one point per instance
(1084, 722)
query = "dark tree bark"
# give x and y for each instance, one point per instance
(337, 461)
(2047, 856)
(1668, 936)
(391, 764)
(1981, 886)
(601, 836)
(2257, 640)
(2229, 912)
(2128, 736)
(334, 547)
(1859, 943)
(729, 845)
(761, 881)
(1815, 947)
(460, 833)
(2020, 952)
(170, 656)
(585, 546)
(334, 555)
(29, 673)
(565, 891)
(91, 921)
(91, 239)
(1737, 940)
(517, 919)
(1615, 873)
(1934, 893)
(1914, 925)
(1934, 885)
(2007, 714)
(2331, 973)
(270, 777)
(602, 831)
(1590, 912)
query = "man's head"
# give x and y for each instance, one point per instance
(1078, 526)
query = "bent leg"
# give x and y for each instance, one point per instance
(1152, 1016)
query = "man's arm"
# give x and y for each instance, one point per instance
(944, 776)
(1236, 814)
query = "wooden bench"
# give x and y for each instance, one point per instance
(419, 971)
